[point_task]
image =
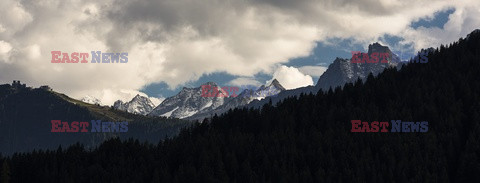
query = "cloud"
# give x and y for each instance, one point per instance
(462, 21)
(291, 77)
(315, 71)
(242, 81)
(5, 49)
(177, 42)
(14, 17)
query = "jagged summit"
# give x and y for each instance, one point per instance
(190, 102)
(244, 98)
(338, 73)
(138, 105)
(138, 97)
(342, 71)
(377, 47)
(210, 83)
(276, 84)
(187, 102)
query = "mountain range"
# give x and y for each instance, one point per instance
(244, 98)
(189, 104)
(340, 72)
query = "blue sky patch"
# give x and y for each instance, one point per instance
(439, 19)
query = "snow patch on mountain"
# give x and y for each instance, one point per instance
(245, 97)
(91, 100)
(138, 105)
(168, 114)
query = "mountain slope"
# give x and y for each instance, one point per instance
(26, 114)
(244, 98)
(190, 104)
(187, 102)
(138, 105)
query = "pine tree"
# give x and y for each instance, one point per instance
(5, 175)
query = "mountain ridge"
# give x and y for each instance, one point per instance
(189, 102)
(339, 72)
(138, 105)
(20, 132)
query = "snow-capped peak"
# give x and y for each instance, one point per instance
(188, 102)
(276, 84)
(138, 105)
(91, 100)
(244, 98)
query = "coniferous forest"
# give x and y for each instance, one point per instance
(306, 138)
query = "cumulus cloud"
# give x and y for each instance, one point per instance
(178, 41)
(315, 71)
(291, 77)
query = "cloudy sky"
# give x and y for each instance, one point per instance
(183, 43)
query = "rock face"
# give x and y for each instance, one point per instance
(340, 72)
(244, 98)
(187, 102)
(190, 104)
(138, 105)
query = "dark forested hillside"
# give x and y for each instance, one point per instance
(26, 114)
(305, 139)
